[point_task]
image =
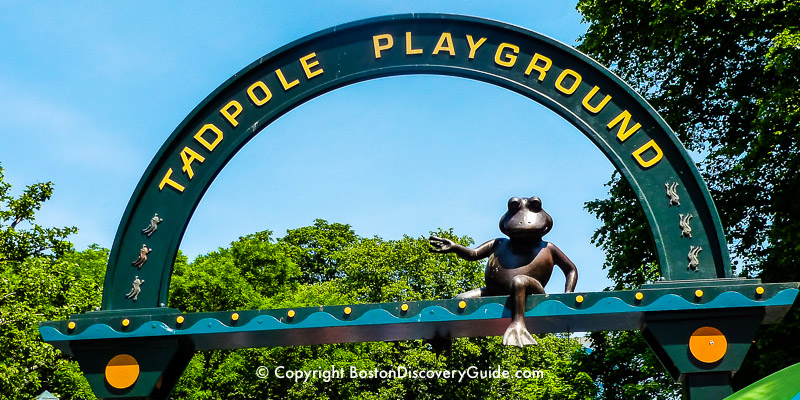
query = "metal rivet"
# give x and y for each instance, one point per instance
(291, 313)
(347, 310)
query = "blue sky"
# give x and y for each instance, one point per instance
(89, 91)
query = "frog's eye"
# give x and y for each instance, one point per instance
(535, 203)
(513, 203)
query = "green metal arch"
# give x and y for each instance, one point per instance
(346, 54)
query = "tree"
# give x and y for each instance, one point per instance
(336, 266)
(18, 244)
(41, 278)
(723, 74)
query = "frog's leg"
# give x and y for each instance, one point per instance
(517, 334)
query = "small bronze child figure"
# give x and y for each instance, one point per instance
(517, 266)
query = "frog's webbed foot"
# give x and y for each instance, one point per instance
(518, 335)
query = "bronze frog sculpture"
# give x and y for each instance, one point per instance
(517, 266)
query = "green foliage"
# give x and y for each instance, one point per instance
(315, 248)
(325, 264)
(624, 236)
(41, 278)
(18, 244)
(723, 74)
(39, 289)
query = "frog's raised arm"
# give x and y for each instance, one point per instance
(442, 245)
(566, 265)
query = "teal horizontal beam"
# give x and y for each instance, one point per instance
(489, 316)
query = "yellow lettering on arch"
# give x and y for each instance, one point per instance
(510, 58)
(534, 65)
(409, 46)
(575, 84)
(624, 133)
(473, 46)
(188, 156)
(231, 116)
(286, 85)
(445, 43)
(595, 109)
(202, 140)
(304, 61)
(166, 180)
(651, 145)
(388, 42)
(259, 101)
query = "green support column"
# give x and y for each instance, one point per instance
(714, 385)
(140, 368)
(702, 348)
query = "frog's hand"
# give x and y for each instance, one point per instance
(440, 245)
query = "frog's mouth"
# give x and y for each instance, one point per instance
(523, 226)
(515, 232)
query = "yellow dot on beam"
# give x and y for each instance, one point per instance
(71, 325)
(462, 304)
(291, 313)
(122, 371)
(126, 322)
(404, 307)
(760, 290)
(347, 310)
(180, 319)
(639, 295)
(708, 344)
(698, 293)
(579, 299)
(235, 316)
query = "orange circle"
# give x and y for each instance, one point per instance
(708, 344)
(122, 371)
